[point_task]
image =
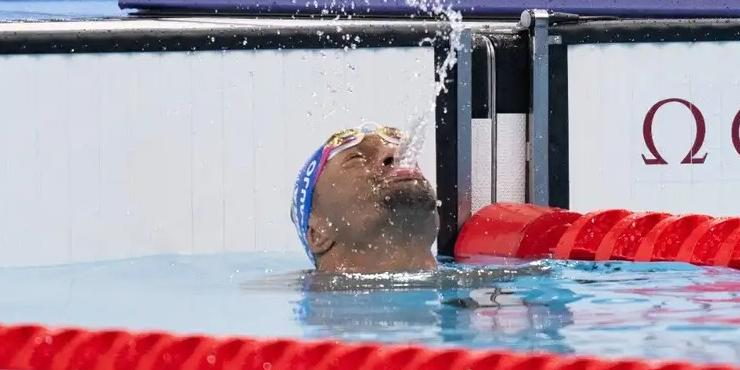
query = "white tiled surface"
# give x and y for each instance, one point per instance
(611, 87)
(120, 155)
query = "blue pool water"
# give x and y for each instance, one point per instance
(666, 311)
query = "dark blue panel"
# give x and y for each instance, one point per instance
(633, 8)
(33, 10)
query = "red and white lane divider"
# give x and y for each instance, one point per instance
(39, 348)
(528, 231)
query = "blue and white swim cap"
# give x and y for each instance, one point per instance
(303, 195)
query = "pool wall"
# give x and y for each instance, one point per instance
(129, 138)
(657, 110)
(177, 135)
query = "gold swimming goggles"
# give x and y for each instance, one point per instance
(350, 137)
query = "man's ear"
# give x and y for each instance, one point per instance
(320, 237)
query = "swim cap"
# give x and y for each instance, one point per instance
(303, 195)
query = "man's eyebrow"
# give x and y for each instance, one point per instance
(351, 153)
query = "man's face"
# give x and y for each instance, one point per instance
(360, 193)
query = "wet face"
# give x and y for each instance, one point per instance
(366, 210)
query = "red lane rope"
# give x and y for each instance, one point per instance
(622, 240)
(704, 242)
(504, 230)
(581, 241)
(39, 348)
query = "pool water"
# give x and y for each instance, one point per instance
(649, 310)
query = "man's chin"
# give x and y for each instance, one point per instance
(409, 196)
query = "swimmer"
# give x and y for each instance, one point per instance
(356, 212)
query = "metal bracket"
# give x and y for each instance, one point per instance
(555, 39)
(464, 123)
(491, 60)
(539, 175)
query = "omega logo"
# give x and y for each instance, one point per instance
(693, 156)
(736, 132)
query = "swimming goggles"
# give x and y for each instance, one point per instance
(351, 137)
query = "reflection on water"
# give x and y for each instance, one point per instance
(656, 310)
(482, 306)
(447, 276)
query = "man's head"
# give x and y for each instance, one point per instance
(355, 211)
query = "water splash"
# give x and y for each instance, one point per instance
(447, 276)
(410, 149)
(408, 152)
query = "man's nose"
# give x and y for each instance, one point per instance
(387, 156)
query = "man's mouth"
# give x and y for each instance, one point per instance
(404, 174)
(406, 189)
